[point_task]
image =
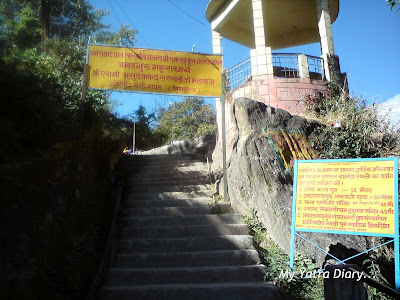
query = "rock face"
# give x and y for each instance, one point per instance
(260, 172)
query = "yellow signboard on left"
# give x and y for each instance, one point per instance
(154, 71)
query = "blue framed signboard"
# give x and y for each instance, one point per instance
(347, 196)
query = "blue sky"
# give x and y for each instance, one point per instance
(366, 37)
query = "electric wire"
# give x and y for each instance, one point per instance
(115, 12)
(186, 13)
(132, 24)
(164, 97)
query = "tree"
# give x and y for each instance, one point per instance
(19, 25)
(145, 135)
(187, 119)
(50, 144)
(393, 4)
(48, 84)
(125, 36)
(32, 23)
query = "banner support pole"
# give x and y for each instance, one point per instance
(225, 182)
(84, 83)
(292, 233)
(396, 229)
(85, 75)
(134, 136)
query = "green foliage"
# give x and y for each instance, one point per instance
(124, 36)
(146, 136)
(24, 29)
(28, 117)
(349, 127)
(186, 120)
(277, 263)
(56, 152)
(42, 97)
(373, 269)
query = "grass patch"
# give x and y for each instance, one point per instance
(277, 263)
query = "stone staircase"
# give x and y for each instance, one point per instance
(174, 245)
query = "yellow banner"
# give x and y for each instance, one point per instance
(154, 71)
(353, 196)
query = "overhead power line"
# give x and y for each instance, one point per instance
(186, 13)
(161, 96)
(115, 12)
(133, 25)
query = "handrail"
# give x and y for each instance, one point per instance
(376, 284)
(238, 74)
(281, 53)
(105, 262)
(242, 72)
(238, 64)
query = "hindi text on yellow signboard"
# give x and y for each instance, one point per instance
(353, 196)
(154, 71)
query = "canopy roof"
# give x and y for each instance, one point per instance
(286, 23)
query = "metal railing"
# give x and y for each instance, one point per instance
(285, 65)
(238, 74)
(316, 67)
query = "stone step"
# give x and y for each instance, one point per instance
(122, 277)
(167, 203)
(180, 231)
(158, 157)
(169, 195)
(167, 181)
(187, 259)
(144, 175)
(167, 174)
(163, 159)
(173, 164)
(140, 189)
(200, 291)
(135, 159)
(190, 244)
(176, 211)
(173, 244)
(182, 220)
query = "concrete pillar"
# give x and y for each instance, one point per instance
(325, 27)
(325, 33)
(216, 42)
(303, 66)
(217, 49)
(261, 56)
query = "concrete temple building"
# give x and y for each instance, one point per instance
(277, 79)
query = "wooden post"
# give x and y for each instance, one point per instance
(223, 83)
(84, 83)
(134, 136)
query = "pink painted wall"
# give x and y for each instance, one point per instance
(284, 93)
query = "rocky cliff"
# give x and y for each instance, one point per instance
(260, 174)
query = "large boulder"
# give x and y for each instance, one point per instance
(260, 174)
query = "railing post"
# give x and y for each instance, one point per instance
(303, 66)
